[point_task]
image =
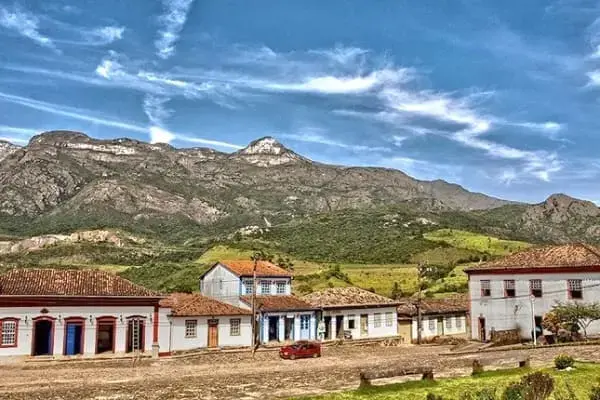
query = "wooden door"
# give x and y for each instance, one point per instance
(405, 331)
(482, 329)
(213, 333)
(364, 325)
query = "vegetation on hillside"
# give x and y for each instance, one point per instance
(483, 244)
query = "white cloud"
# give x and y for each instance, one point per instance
(209, 142)
(160, 135)
(172, 22)
(24, 23)
(108, 34)
(316, 135)
(594, 77)
(14, 130)
(549, 127)
(155, 109)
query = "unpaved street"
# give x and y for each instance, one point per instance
(236, 375)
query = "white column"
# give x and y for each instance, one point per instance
(281, 330)
(265, 326)
(313, 327)
(333, 324)
(297, 327)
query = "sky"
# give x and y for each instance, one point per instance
(502, 97)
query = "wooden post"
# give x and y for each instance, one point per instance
(254, 304)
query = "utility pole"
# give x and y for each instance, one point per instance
(420, 272)
(532, 298)
(255, 258)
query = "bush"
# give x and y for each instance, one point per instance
(431, 396)
(538, 386)
(514, 391)
(595, 395)
(563, 361)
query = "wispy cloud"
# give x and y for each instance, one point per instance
(17, 135)
(157, 135)
(172, 21)
(92, 36)
(154, 108)
(318, 136)
(25, 24)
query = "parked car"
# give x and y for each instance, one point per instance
(300, 349)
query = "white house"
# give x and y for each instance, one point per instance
(197, 321)
(76, 313)
(281, 316)
(439, 317)
(516, 291)
(354, 313)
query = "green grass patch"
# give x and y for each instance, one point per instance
(581, 380)
(475, 242)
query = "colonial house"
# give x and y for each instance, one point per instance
(354, 313)
(514, 293)
(439, 317)
(281, 316)
(67, 313)
(197, 321)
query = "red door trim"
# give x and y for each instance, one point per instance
(106, 319)
(74, 320)
(43, 318)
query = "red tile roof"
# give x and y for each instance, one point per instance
(196, 305)
(566, 255)
(278, 303)
(449, 305)
(263, 268)
(69, 282)
(347, 297)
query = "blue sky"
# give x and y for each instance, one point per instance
(501, 97)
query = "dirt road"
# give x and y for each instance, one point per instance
(236, 375)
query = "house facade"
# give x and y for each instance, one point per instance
(514, 293)
(354, 313)
(197, 321)
(281, 316)
(439, 317)
(77, 313)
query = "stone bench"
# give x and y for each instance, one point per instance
(478, 364)
(369, 375)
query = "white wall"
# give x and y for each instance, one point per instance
(179, 342)
(272, 285)
(447, 330)
(25, 328)
(373, 332)
(297, 334)
(509, 313)
(222, 284)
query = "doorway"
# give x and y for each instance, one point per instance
(213, 333)
(273, 329)
(43, 336)
(74, 329)
(440, 327)
(339, 326)
(482, 329)
(327, 322)
(289, 329)
(364, 325)
(105, 335)
(135, 335)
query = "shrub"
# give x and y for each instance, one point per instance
(563, 361)
(538, 386)
(514, 391)
(595, 395)
(432, 396)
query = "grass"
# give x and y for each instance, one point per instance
(221, 252)
(581, 380)
(476, 242)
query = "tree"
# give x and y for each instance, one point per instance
(396, 291)
(551, 322)
(577, 315)
(285, 263)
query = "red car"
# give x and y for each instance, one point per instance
(302, 349)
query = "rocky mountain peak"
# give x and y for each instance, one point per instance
(58, 138)
(6, 149)
(559, 208)
(267, 151)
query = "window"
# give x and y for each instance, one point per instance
(351, 322)
(389, 319)
(191, 328)
(486, 290)
(265, 287)
(377, 320)
(509, 288)
(458, 322)
(304, 321)
(234, 327)
(248, 287)
(575, 289)
(448, 322)
(535, 287)
(8, 331)
(281, 288)
(432, 325)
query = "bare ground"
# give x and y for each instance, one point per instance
(238, 376)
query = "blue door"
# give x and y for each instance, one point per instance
(304, 327)
(71, 334)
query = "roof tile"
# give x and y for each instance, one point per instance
(278, 303)
(566, 255)
(263, 268)
(346, 297)
(196, 305)
(69, 282)
(454, 304)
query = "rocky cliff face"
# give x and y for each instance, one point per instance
(68, 173)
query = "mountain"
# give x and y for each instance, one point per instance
(66, 180)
